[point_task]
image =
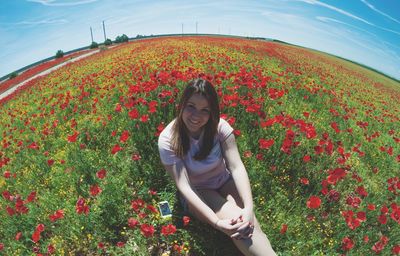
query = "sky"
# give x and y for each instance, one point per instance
(364, 31)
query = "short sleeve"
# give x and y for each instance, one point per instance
(167, 154)
(224, 130)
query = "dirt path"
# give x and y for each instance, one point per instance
(47, 71)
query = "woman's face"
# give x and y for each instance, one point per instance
(196, 114)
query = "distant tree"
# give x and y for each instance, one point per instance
(122, 39)
(108, 42)
(13, 75)
(94, 45)
(59, 54)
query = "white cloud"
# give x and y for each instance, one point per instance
(42, 22)
(61, 3)
(315, 2)
(376, 10)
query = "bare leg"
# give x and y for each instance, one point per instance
(223, 203)
(258, 244)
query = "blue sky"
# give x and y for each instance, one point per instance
(365, 31)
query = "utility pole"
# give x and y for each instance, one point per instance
(182, 29)
(91, 33)
(196, 27)
(104, 30)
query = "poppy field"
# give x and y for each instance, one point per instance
(80, 172)
(7, 84)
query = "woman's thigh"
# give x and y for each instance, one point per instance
(222, 207)
(229, 192)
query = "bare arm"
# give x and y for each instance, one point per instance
(238, 171)
(179, 174)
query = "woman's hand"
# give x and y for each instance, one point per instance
(228, 226)
(246, 219)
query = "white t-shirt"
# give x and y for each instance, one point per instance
(209, 173)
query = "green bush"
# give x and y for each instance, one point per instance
(108, 42)
(13, 75)
(94, 45)
(59, 54)
(122, 39)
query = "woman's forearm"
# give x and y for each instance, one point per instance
(242, 183)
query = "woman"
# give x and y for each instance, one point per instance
(198, 149)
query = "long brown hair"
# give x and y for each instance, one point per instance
(180, 136)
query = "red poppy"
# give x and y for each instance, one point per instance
(31, 197)
(73, 137)
(137, 204)
(396, 249)
(95, 190)
(152, 192)
(132, 222)
(81, 206)
(51, 249)
(333, 196)
(361, 191)
(382, 219)
(7, 174)
(133, 114)
(18, 236)
(395, 215)
(118, 108)
(40, 228)
(59, 214)
(147, 230)
(313, 202)
(353, 201)
(136, 157)
(152, 208)
(115, 149)
(306, 158)
(124, 136)
(265, 144)
(144, 118)
(283, 228)
(361, 216)
(347, 244)
(120, 244)
(101, 174)
(380, 245)
(304, 181)
(185, 220)
(336, 175)
(168, 230)
(335, 127)
(33, 145)
(36, 236)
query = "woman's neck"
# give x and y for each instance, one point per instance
(196, 135)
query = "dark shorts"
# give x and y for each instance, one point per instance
(184, 203)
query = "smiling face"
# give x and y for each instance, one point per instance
(196, 114)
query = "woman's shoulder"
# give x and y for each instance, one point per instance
(224, 129)
(166, 134)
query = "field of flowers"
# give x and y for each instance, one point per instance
(81, 175)
(7, 84)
